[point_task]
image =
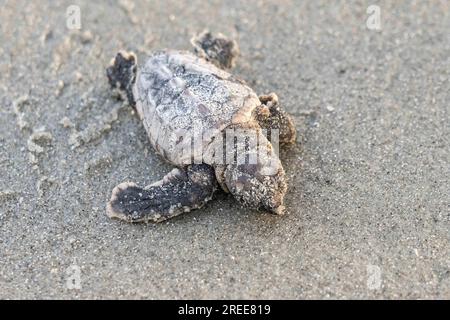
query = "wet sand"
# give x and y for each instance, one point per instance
(369, 177)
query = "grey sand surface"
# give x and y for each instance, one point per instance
(369, 177)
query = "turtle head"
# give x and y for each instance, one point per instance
(258, 186)
(254, 175)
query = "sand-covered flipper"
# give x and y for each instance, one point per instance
(271, 116)
(217, 49)
(122, 74)
(178, 192)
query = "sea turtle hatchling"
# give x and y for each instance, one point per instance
(190, 106)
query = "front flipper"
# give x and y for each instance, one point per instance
(179, 191)
(271, 116)
(217, 49)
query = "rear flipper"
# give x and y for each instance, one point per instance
(179, 191)
(122, 74)
(217, 49)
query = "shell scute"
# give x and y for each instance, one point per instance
(181, 93)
